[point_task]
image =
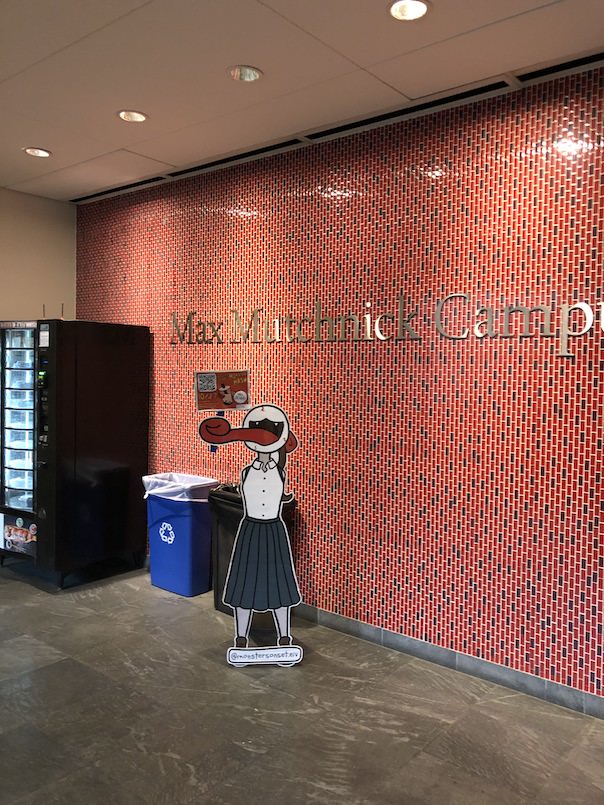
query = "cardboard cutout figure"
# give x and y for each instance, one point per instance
(261, 574)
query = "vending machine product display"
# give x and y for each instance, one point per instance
(74, 413)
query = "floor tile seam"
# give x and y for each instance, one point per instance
(49, 787)
(77, 654)
(14, 636)
(105, 611)
(123, 654)
(192, 692)
(596, 725)
(542, 786)
(585, 733)
(507, 693)
(507, 784)
(551, 709)
(569, 716)
(384, 671)
(456, 672)
(5, 581)
(225, 746)
(221, 788)
(31, 670)
(125, 651)
(113, 680)
(548, 774)
(562, 768)
(335, 709)
(520, 799)
(378, 673)
(327, 708)
(446, 727)
(37, 639)
(518, 675)
(96, 697)
(63, 617)
(419, 662)
(62, 778)
(359, 683)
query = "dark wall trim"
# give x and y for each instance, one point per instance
(553, 692)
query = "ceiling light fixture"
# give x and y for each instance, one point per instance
(130, 116)
(407, 10)
(33, 151)
(244, 72)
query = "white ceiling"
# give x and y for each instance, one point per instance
(67, 67)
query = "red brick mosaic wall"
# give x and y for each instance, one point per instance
(450, 490)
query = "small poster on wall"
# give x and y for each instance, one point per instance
(219, 391)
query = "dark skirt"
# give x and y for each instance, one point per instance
(261, 575)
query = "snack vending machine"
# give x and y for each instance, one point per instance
(74, 414)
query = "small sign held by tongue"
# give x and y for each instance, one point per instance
(223, 390)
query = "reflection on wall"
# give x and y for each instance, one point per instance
(449, 489)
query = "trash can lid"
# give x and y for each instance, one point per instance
(178, 486)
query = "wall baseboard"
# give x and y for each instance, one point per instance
(553, 692)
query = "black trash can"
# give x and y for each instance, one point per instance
(226, 509)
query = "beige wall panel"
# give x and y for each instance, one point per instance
(37, 257)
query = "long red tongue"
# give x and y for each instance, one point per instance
(217, 430)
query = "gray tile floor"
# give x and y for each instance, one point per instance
(116, 691)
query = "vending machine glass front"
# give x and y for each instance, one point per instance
(18, 415)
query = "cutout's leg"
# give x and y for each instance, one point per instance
(282, 622)
(243, 619)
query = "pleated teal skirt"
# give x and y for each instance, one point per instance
(261, 575)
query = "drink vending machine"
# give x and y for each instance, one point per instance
(74, 419)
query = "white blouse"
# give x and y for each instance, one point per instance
(262, 490)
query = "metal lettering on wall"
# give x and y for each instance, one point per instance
(454, 318)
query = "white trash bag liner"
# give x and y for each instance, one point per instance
(178, 486)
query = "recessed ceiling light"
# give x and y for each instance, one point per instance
(244, 72)
(407, 10)
(36, 152)
(130, 116)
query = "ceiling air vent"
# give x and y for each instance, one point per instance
(122, 189)
(576, 65)
(245, 156)
(409, 111)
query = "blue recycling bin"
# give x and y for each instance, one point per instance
(179, 525)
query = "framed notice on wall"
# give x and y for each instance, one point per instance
(217, 391)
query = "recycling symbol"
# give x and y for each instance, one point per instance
(166, 532)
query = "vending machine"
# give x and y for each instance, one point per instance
(74, 419)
